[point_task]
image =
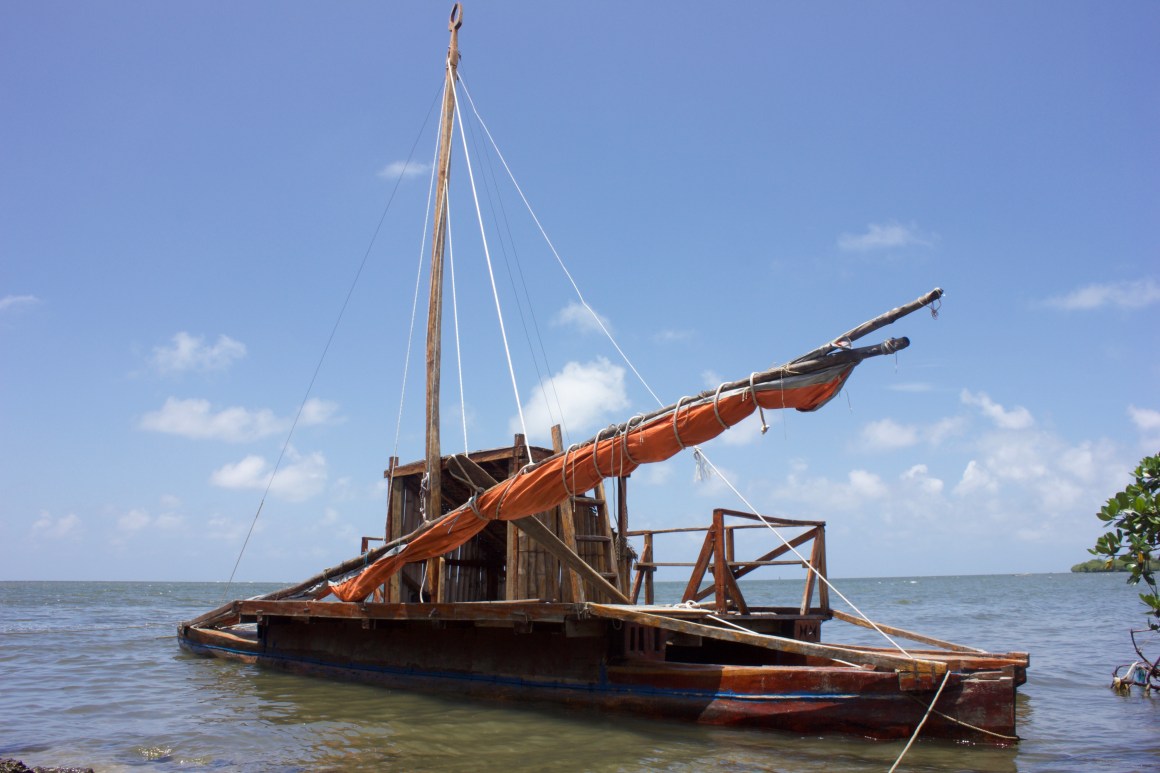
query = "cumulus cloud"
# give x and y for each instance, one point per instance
(582, 318)
(587, 393)
(195, 418)
(50, 527)
(15, 303)
(1134, 294)
(887, 435)
(298, 479)
(878, 237)
(1147, 421)
(404, 169)
(1016, 418)
(918, 476)
(187, 352)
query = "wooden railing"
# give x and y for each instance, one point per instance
(718, 557)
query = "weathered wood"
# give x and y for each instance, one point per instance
(435, 301)
(573, 586)
(830, 652)
(903, 634)
(882, 320)
(545, 537)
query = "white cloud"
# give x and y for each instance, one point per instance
(65, 527)
(1134, 294)
(1145, 419)
(316, 411)
(582, 318)
(1016, 418)
(403, 168)
(15, 303)
(587, 394)
(866, 484)
(920, 477)
(298, 479)
(974, 479)
(879, 237)
(887, 435)
(194, 418)
(133, 521)
(186, 352)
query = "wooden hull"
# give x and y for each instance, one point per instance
(563, 658)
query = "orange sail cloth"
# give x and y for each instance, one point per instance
(545, 485)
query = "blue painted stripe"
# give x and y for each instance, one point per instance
(604, 686)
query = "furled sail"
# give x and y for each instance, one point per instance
(805, 385)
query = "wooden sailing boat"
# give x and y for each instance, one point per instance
(502, 574)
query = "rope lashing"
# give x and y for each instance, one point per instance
(628, 427)
(676, 414)
(716, 411)
(760, 410)
(564, 469)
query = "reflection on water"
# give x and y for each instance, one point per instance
(90, 674)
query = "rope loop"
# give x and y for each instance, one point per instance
(760, 410)
(677, 413)
(629, 425)
(716, 411)
(564, 469)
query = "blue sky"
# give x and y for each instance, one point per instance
(189, 189)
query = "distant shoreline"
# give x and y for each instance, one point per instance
(1101, 565)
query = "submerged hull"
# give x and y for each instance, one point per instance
(560, 654)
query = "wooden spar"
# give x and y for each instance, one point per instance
(805, 364)
(902, 634)
(435, 306)
(882, 320)
(831, 652)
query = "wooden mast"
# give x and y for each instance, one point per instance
(435, 306)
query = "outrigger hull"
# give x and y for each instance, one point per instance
(563, 654)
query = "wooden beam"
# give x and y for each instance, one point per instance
(946, 645)
(809, 649)
(542, 534)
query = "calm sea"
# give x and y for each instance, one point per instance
(90, 674)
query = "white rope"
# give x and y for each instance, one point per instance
(946, 676)
(458, 348)
(552, 247)
(491, 275)
(414, 307)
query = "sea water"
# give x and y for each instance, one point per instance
(90, 674)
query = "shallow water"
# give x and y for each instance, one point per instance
(90, 674)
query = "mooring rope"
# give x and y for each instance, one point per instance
(946, 677)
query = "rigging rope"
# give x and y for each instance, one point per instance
(325, 349)
(552, 247)
(491, 275)
(455, 318)
(608, 334)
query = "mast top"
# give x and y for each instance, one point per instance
(453, 24)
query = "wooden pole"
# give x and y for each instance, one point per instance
(435, 305)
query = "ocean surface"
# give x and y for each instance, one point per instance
(90, 674)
